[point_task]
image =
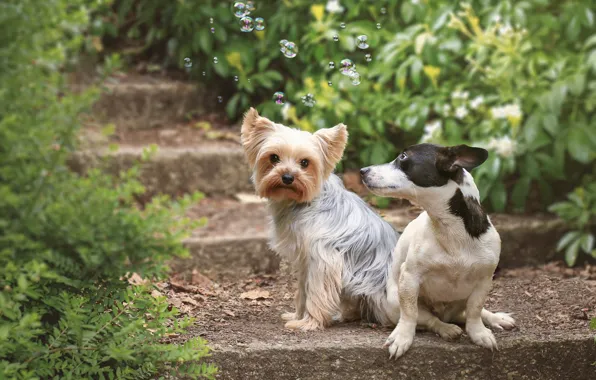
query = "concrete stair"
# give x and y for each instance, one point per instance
(150, 111)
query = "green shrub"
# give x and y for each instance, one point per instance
(69, 244)
(516, 77)
(579, 212)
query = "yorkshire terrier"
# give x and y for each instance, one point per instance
(341, 250)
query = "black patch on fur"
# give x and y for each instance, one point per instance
(469, 210)
(420, 167)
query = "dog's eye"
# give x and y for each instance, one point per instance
(304, 163)
(274, 158)
(403, 156)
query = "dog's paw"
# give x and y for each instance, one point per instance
(501, 321)
(449, 331)
(399, 344)
(483, 337)
(305, 324)
(288, 316)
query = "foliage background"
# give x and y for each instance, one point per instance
(68, 244)
(517, 77)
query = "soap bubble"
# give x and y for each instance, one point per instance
(368, 57)
(248, 80)
(236, 78)
(290, 50)
(279, 98)
(260, 23)
(361, 42)
(212, 30)
(355, 77)
(378, 25)
(220, 99)
(342, 25)
(346, 66)
(250, 6)
(383, 10)
(240, 9)
(247, 24)
(215, 60)
(210, 20)
(282, 46)
(309, 100)
(330, 83)
(336, 38)
(204, 73)
(331, 65)
(187, 63)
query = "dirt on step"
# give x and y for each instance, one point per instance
(234, 312)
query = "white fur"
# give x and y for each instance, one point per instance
(440, 273)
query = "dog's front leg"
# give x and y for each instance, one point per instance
(475, 328)
(322, 290)
(299, 297)
(402, 336)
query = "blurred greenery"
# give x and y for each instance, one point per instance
(69, 244)
(517, 77)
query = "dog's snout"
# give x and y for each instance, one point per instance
(287, 179)
(363, 171)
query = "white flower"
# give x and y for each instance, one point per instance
(415, 1)
(504, 146)
(460, 94)
(497, 18)
(509, 111)
(285, 111)
(461, 112)
(505, 29)
(430, 130)
(476, 102)
(446, 109)
(333, 6)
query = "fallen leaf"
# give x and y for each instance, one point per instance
(189, 300)
(255, 294)
(247, 198)
(156, 293)
(135, 279)
(230, 313)
(201, 280)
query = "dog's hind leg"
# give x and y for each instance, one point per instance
(497, 321)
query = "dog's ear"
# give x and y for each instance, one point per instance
(333, 142)
(255, 130)
(461, 156)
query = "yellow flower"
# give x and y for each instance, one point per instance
(309, 83)
(432, 72)
(305, 125)
(377, 87)
(235, 60)
(401, 83)
(317, 11)
(260, 34)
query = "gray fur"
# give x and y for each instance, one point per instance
(339, 225)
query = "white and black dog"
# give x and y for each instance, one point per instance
(445, 259)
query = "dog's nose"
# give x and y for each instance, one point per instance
(287, 179)
(363, 171)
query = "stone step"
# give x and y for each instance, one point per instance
(142, 101)
(552, 339)
(188, 159)
(237, 233)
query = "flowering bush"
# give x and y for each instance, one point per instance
(515, 77)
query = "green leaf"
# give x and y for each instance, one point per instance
(365, 125)
(498, 197)
(587, 242)
(579, 144)
(520, 193)
(567, 239)
(551, 124)
(205, 40)
(577, 83)
(416, 69)
(407, 11)
(571, 253)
